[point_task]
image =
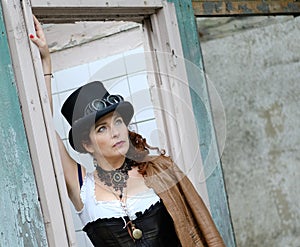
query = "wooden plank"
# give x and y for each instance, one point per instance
(73, 14)
(40, 133)
(63, 207)
(98, 40)
(97, 3)
(203, 116)
(20, 215)
(57, 11)
(248, 7)
(167, 77)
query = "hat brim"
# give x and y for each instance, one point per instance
(82, 125)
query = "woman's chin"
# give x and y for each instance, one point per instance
(122, 151)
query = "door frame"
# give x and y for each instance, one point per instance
(167, 57)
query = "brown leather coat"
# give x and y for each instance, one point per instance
(193, 223)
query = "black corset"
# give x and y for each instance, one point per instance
(156, 224)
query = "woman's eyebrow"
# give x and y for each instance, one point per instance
(115, 116)
(100, 123)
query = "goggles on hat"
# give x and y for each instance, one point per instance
(100, 104)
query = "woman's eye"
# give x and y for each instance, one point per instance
(101, 129)
(119, 121)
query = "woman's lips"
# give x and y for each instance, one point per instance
(118, 144)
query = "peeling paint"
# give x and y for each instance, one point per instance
(292, 6)
(83, 32)
(208, 7)
(227, 8)
(244, 8)
(203, 117)
(20, 215)
(263, 7)
(218, 6)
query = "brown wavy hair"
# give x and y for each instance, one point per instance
(139, 148)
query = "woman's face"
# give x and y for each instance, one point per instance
(109, 138)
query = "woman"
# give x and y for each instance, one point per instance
(132, 198)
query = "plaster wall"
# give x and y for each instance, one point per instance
(256, 71)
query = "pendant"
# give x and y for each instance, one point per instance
(136, 233)
(117, 177)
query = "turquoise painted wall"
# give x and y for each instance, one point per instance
(21, 222)
(202, 111)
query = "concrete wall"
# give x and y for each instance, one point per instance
(256, 70)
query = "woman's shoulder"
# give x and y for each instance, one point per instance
(158, 162)
(158, 159)
(161, 173)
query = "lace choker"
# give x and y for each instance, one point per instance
(117, 179)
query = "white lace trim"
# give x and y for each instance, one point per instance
(83, 189)
(94, 209)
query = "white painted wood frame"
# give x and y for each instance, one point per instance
(38, 124)
(170, 92)
(57, 11)
(178, 124)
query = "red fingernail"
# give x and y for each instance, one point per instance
(31, 36)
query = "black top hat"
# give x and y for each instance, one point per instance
(86, 105)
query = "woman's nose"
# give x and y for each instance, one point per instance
(114, 132)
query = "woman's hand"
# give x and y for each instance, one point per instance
(40, 41)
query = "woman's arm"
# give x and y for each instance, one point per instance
(69, 165)
(40, 40)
